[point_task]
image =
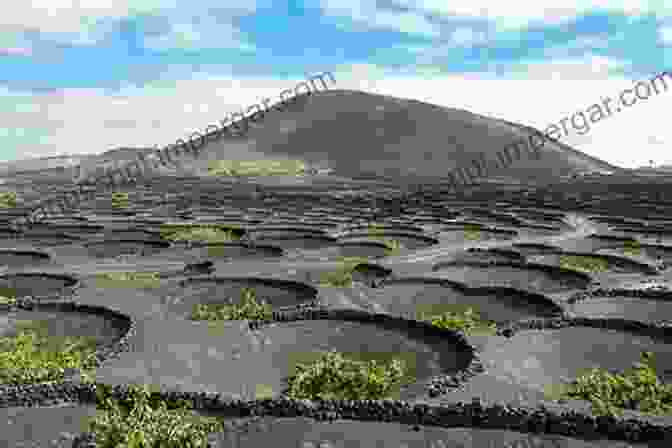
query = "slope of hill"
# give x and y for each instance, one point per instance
(356, 133)
(41, 163)
(361, 134)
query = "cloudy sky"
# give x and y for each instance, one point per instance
(91, 75)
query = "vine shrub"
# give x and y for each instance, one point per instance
(375, 230)
(342, 277)
(130, 279)
(393, 246)
(334, 376)
(257, 168)
(32, 356)
(638, 389)
(472, 232)
(142, 421)
(205, 233)
(632, 248)
(249, 308)
(584, 263)
(8, 199)
(119, 200)
(466, 320)
(7, 301)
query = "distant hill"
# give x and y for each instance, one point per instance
(362, 134)
(40, 163)
(356, 132)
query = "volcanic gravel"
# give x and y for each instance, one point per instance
(220, 365)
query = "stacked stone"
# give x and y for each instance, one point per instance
(441, 384)
(661, 329)
(31, 395)
(646, 293)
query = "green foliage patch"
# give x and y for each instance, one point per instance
(208, 233)
(472, 232)
(34, 356)
(584, 263)
(342, 277)
(393, 246)
(375, 230)
(7, 300)
(456, 317)
(352, 376)
(119, 200)
(248, 309)
(638, 389)
(141, 420)
(8, 199)
(8, 292)
(257, 168)
(632, 248)
(128, 279)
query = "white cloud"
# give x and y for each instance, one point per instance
(155, 115)
(61, 16)
(408, 23)
(509, 14)
(366, 13)
(89, 21)
(580, 44)
(590, 67)
(198, 36)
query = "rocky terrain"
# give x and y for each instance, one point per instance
(510, 249)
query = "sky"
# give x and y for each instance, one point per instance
(92, 75)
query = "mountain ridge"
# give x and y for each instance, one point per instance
(355, 132)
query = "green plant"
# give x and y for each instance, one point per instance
(638, 389)
(584, 263)
(130, 279)
(33, 356)
(8, 199)
(249, 308)
(206, 233)
(342, 277)
(7, 300)
(632, 248)
(334, 376)
(256, 167)
(119, 200)
(392, 246)
(142, 421)
(375, 230)
(463, 318)
(472, 232)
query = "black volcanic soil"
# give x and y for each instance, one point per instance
(304, 432)
(414, 296)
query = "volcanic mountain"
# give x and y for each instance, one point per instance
(358, 133)
(362, 134)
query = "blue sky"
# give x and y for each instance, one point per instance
(115, 73)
